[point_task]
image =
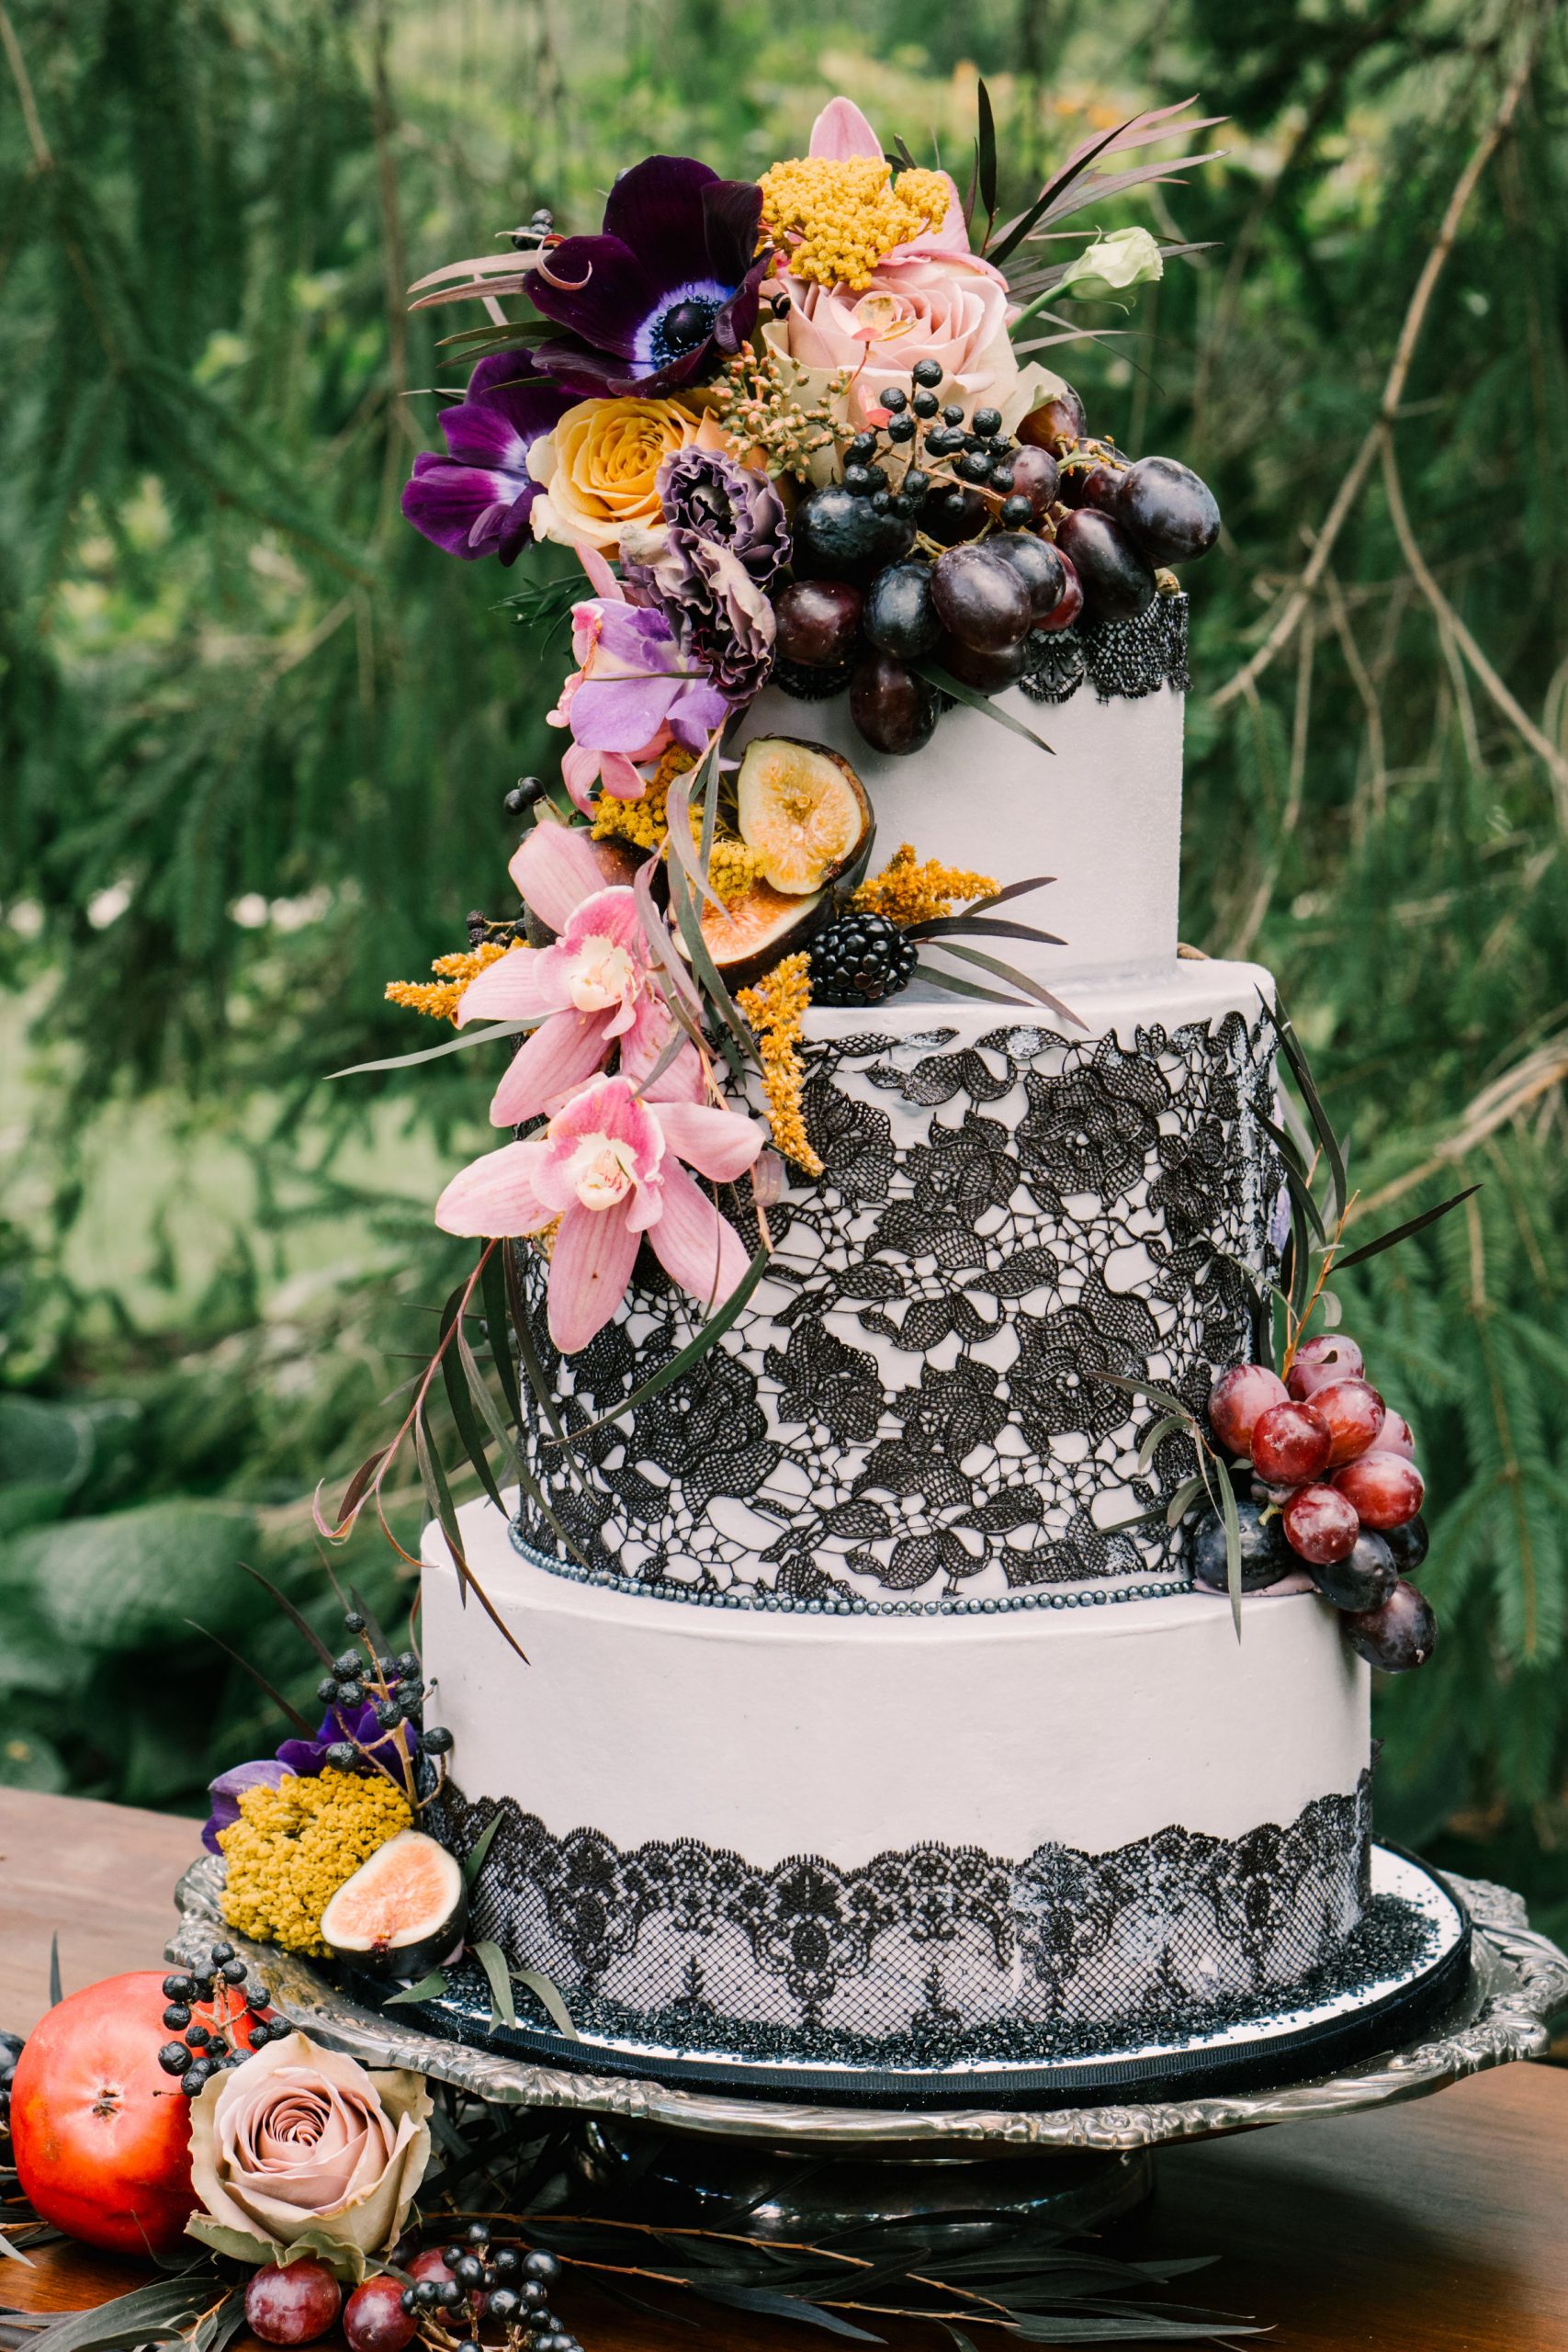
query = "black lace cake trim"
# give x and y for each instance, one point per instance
(1122, 661)
(930, 1948)
(909, 1408)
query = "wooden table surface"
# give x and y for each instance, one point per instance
(1437, 2226)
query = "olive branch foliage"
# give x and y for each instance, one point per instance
(232, 674)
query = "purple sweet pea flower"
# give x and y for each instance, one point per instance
(479, 499)
(665, 294)
(634, 679)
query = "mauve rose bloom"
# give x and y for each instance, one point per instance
(299, 2151)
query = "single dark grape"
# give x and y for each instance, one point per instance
(1095, 485)
(1399, 1635)
(1036, 562)
(819, 622)
(293, 2303)
(545, 2268)
(900, 428)
(1017, 513)
(1362, 1581)
(924, 403)
(981, 600)
(839, 537)
(1409, 1544)
(953, 517)
(861, 449)
(952, 414)
(1064, 614)
(894, 710)
(927, 373)
(1265, 1554)
(900, 617)
(1118, 578)
(988, 672)
(986, 422)
(893, 398)
(915, 482)
(1167, 509)
(1058, 422)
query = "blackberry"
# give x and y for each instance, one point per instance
(860, 959)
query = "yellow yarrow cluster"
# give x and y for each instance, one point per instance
(293, 1846)
(440, 997)
(835, 219)
(906, 893)
(642, 823)
(776, 1010)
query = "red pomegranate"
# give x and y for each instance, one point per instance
(100, 2134)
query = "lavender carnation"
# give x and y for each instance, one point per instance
(724, 541)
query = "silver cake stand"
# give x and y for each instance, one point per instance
(799, 2168)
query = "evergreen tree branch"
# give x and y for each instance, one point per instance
(1298, 598)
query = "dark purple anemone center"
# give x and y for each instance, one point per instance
(682, 322)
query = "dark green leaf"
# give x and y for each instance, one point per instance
(779, 2306)
(305, 1730)
(1403, 1232)
(1232, 1548)
(987, 145)
(498, 1321)
(435, 1053)
(1322, 1126)
(548, 1997)
(282, 1601)
(474, 1860)
(453, 1374)
(502, 2009)
(713, 1331)
(429, 1988)
(946, 684)
(56, 1990)
(1002, 971)
(973, 925)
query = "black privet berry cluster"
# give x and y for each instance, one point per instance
(391, 1688)
(946, 542)
(474, 2285)
(218, 2013)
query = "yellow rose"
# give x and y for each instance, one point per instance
(599, 468)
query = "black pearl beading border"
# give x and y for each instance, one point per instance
(781, 1604)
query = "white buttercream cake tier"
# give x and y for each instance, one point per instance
(819, 1828)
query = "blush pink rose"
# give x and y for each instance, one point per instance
(300, 2151)
(951, 307)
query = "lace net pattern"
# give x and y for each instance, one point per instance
(909, 1406)
(940, 1951)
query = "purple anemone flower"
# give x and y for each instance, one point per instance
(665, 293)
(478, 499)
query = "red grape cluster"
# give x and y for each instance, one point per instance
(945, 540)
(1335, 1491)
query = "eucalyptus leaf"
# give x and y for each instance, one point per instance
(490, 1958)
(1403, 1232)
(463, 1044)
(429, 1988)
(946, 684)
(474, 1860)
(684, 1358)
(547, 1993)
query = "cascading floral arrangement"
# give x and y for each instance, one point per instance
(797, 434)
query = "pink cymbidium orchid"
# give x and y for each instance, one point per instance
(594, 989)
(608, 1166)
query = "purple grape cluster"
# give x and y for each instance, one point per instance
(947, 547)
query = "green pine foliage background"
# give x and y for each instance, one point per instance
(255, 736)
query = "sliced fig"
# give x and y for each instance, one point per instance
(750, 937)
(403, 1911)
(803, 813)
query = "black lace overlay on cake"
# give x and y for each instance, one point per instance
(1125, 659)
(911, 1405)
(932, 1946)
